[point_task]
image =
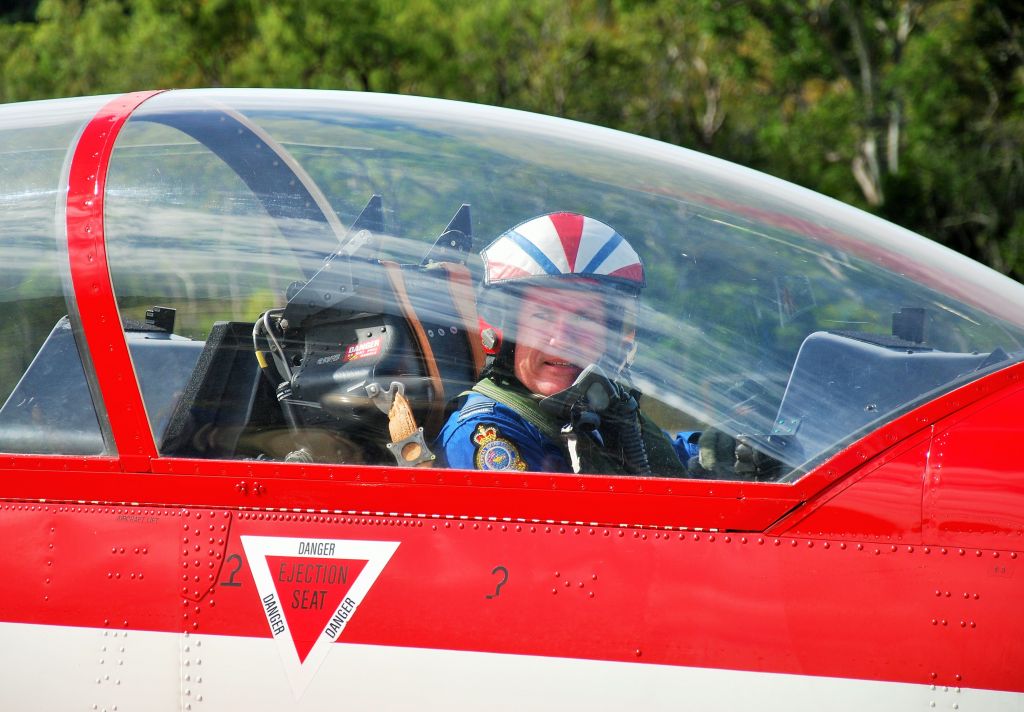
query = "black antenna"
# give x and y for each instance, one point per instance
(366, 227)
(455, 241)
(333, 284)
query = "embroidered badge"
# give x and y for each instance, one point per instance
(493, 452)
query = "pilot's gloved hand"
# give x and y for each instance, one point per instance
(724, 457)
(716, 455)
(754, 463)
(622, 420)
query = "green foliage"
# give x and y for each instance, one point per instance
(907, 108)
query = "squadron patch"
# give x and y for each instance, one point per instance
(494, 452)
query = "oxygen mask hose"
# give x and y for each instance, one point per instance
(623, 415)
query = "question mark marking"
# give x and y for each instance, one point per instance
(504, 580)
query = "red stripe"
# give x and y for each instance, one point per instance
(499, 272)
(569, 227)
(633, 272)
(90, 276)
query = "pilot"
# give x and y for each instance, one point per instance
(558, 311)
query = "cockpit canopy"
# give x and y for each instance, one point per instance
(350, 225)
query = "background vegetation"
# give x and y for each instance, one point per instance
(913, 110)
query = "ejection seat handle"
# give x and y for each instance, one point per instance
(407, 442)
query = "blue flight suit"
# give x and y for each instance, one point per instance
(488, 434)
(516, 444)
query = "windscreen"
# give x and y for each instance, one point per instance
(45, 402)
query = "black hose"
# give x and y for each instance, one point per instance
(624, 416)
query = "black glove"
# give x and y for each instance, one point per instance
(753, 462)
(724, 457)
(607, 412)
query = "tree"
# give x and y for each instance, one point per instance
(908, 108)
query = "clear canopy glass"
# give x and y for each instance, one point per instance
(47, 407)
(770, 314)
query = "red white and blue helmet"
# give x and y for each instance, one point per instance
(558, 249)
(560, 246)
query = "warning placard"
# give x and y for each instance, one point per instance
(309, 590)
(307, 587)
(363, 349)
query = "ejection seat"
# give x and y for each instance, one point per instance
(358, 335)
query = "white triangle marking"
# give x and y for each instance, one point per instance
(258, 548)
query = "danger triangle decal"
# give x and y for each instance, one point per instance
(309, 590)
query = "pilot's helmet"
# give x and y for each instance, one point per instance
(558, 250)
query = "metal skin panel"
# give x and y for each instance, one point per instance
(105, 568)
(220, 676)
(830, 608)
(974, 491)
(881, 504)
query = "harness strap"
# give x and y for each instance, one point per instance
(591, 457)
(523, 405)
(394, 274)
